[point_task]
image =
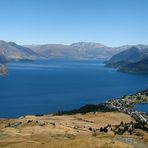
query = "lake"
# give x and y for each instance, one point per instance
(40, 87)
(141, 107)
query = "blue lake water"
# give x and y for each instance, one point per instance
(48, 86)
(141, 107)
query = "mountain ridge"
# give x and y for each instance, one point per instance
(11, 51)
(81, 50)
(132, 60)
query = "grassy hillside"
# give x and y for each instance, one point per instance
(69, 131)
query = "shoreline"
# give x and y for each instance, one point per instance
(81, 127)
(124, 104)
(3, 70)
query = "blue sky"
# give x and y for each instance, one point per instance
(111, 22)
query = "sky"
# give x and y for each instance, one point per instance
(110, 22)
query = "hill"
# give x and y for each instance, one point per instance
(137, 67)
(69, 131)
(80, 50)
(133, 60)
(11, 51)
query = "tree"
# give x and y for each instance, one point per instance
(132, 122)
(101, 129)
(121, 123)
(90, 128)
(105, 129)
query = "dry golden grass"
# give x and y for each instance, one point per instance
(67, 131)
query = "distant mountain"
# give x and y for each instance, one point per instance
(93, 50)
(137, 67)
(123, 48)
(141, 66)
(53, 51)
(87, 45)
(11, 51)
(80, 50)
(133, 54)
(134, 59)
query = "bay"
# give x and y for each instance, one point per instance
(141, 107)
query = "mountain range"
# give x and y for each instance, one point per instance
(82, 50)
(127, 58)
(11, 51)
(133, 60)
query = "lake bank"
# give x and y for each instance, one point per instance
(125, 104)
(3, 70)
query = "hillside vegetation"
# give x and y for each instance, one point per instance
(69, 131)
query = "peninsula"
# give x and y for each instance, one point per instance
(3, 70)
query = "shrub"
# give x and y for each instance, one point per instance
(90, 128)
(29, 121)
(105, 130)
(101, 129)
(121, 123)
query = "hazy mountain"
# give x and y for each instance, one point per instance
(137, 67)
(134, 59)
(133, 54)
(12, 51)
(2, 58)
(87, 45)
(93, 50)
(80, 50)
(141, 66)
(124, 47)
(52, 51)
